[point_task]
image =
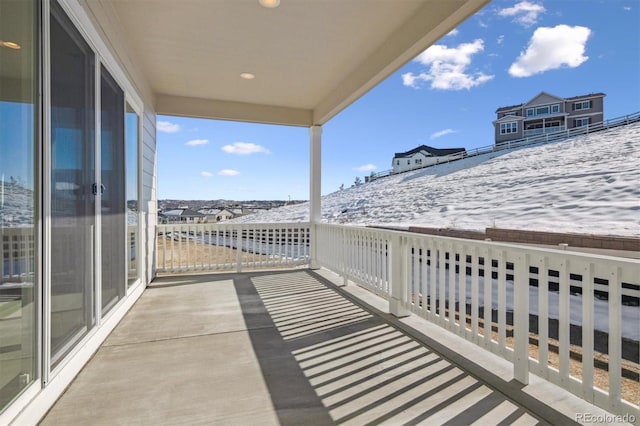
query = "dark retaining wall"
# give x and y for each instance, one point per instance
(531, 237)
(555, 238)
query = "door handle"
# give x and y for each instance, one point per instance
(94, 188)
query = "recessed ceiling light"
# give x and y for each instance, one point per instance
(269, 3)
(10, 45)
(247, 75)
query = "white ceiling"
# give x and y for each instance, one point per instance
(311, 58)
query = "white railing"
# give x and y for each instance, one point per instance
(547, 137)
(360, 255)
(538, 308)
(543, 130)
(225, 247)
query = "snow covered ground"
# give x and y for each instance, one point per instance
(586, 184)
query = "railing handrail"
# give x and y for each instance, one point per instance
(545, 137)
(505, 245)
(233, 225)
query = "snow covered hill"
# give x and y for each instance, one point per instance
(586, 184)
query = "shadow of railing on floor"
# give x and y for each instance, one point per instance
(326, 359)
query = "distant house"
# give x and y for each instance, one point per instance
(220, 215)
(224, 214)
(423, 156)
(182, 216)
(547, 113)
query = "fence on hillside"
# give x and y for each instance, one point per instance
(554, 136)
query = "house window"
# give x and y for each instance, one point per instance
(542, 110)
(579, 122)
(397, 162)
(408, 162)
(581, 105)
(555, 108)
(418, 160)
(511, 127)
(530, 112)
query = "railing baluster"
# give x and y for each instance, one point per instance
(615, 331)
(564, 324)
(462, 292)
(521, 318)
(487, 303)
(238, 232)
(475, 266)
(452, 286)
(587, 331)
(543, 316)
(502, 303)
(441, 297)
(433, 265)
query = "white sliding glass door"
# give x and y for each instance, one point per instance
(88, 200)
(113, 202)
(73, 185)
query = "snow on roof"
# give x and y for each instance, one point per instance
(182, 212)
(586, 184)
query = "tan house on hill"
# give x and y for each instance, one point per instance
(546, 113)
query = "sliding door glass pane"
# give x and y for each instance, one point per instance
(72, 180)
(113, 193)
(132, 129)
(18, 189)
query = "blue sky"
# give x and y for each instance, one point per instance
(504, 55)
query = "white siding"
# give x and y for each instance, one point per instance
(425, 161)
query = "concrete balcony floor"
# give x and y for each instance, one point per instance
(291, 347)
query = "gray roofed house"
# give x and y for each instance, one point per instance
(423, 156)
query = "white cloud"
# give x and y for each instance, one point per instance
(206, 174)
(196, 142)
(167, 127)
(453, 32)
(366, 168)
(500, 39)
(525, 13)
(627, 8)
(552, 48)
(448, 67)
(442, 133)
(244, 148)
(228, 172)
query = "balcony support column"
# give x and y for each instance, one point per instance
(315, 171)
